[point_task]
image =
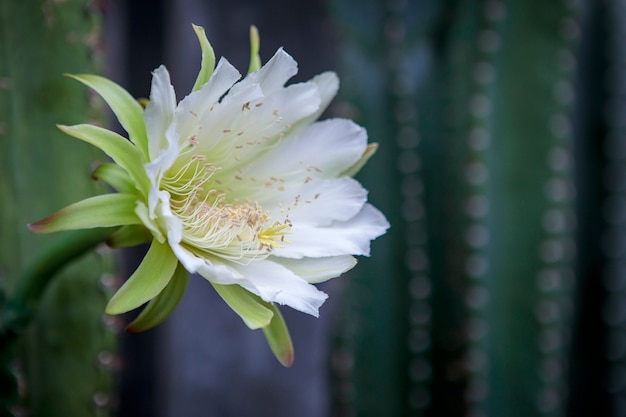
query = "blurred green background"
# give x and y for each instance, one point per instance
(500, 289)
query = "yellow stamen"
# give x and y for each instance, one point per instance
(274, 236)
(216, 223)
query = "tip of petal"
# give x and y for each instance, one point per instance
(287, 358)
(41, 226)
(329, 81)
(63, 128)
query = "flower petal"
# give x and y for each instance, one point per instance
(193, 107)
(323, 149)
(319, 202)
(217, 273)
(117, 147)
(208, 58)
(159, 111)
(246, 123)
(248, 306)
(369, 152)
(327, 85)
(316, 270)
(106, 210)
(275, 283)
(152, 275)
(161, 306)
(127, 110)
(275, 73)
(341, 238)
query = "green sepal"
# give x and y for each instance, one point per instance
(255, 44)
(114, 176)
(127, 110)
(208, 58)
(131, 235)
(142, 212)
(161, 306)
(278, 337)
(152, 275)
(252, 310)
(370, 150)
(117, 147)
(106, 210)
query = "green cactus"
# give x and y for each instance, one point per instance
(466, 307)
(64, 356)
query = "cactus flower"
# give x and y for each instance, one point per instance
(238, 182)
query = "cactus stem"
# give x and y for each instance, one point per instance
(18, 310)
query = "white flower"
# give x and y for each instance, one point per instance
(238, 183)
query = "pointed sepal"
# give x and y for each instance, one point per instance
(131, 235)
(253, 311)
(161, 306)
(278, 337)
(117, 147)
(152, 275)
(114, 176)
(106, 210)
(370, 150)
(127, 110)
(255, 44)
(208, 58)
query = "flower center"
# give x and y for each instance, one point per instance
(212, 222)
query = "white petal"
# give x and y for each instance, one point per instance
(262, 127)
(341, 238)
(325, 148)
(214, 272)
(142, 212)
(160, 127)
(192, 107)
(167, 220)
(240, 130)
(319, 202)
(337, 200)
(217, 126)
(276, 72)
(158, 216)
(275, 283)
(160, 111)
(166, 157)
(327, 85)
(156, 200)
(316, 270)
(287, 106)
